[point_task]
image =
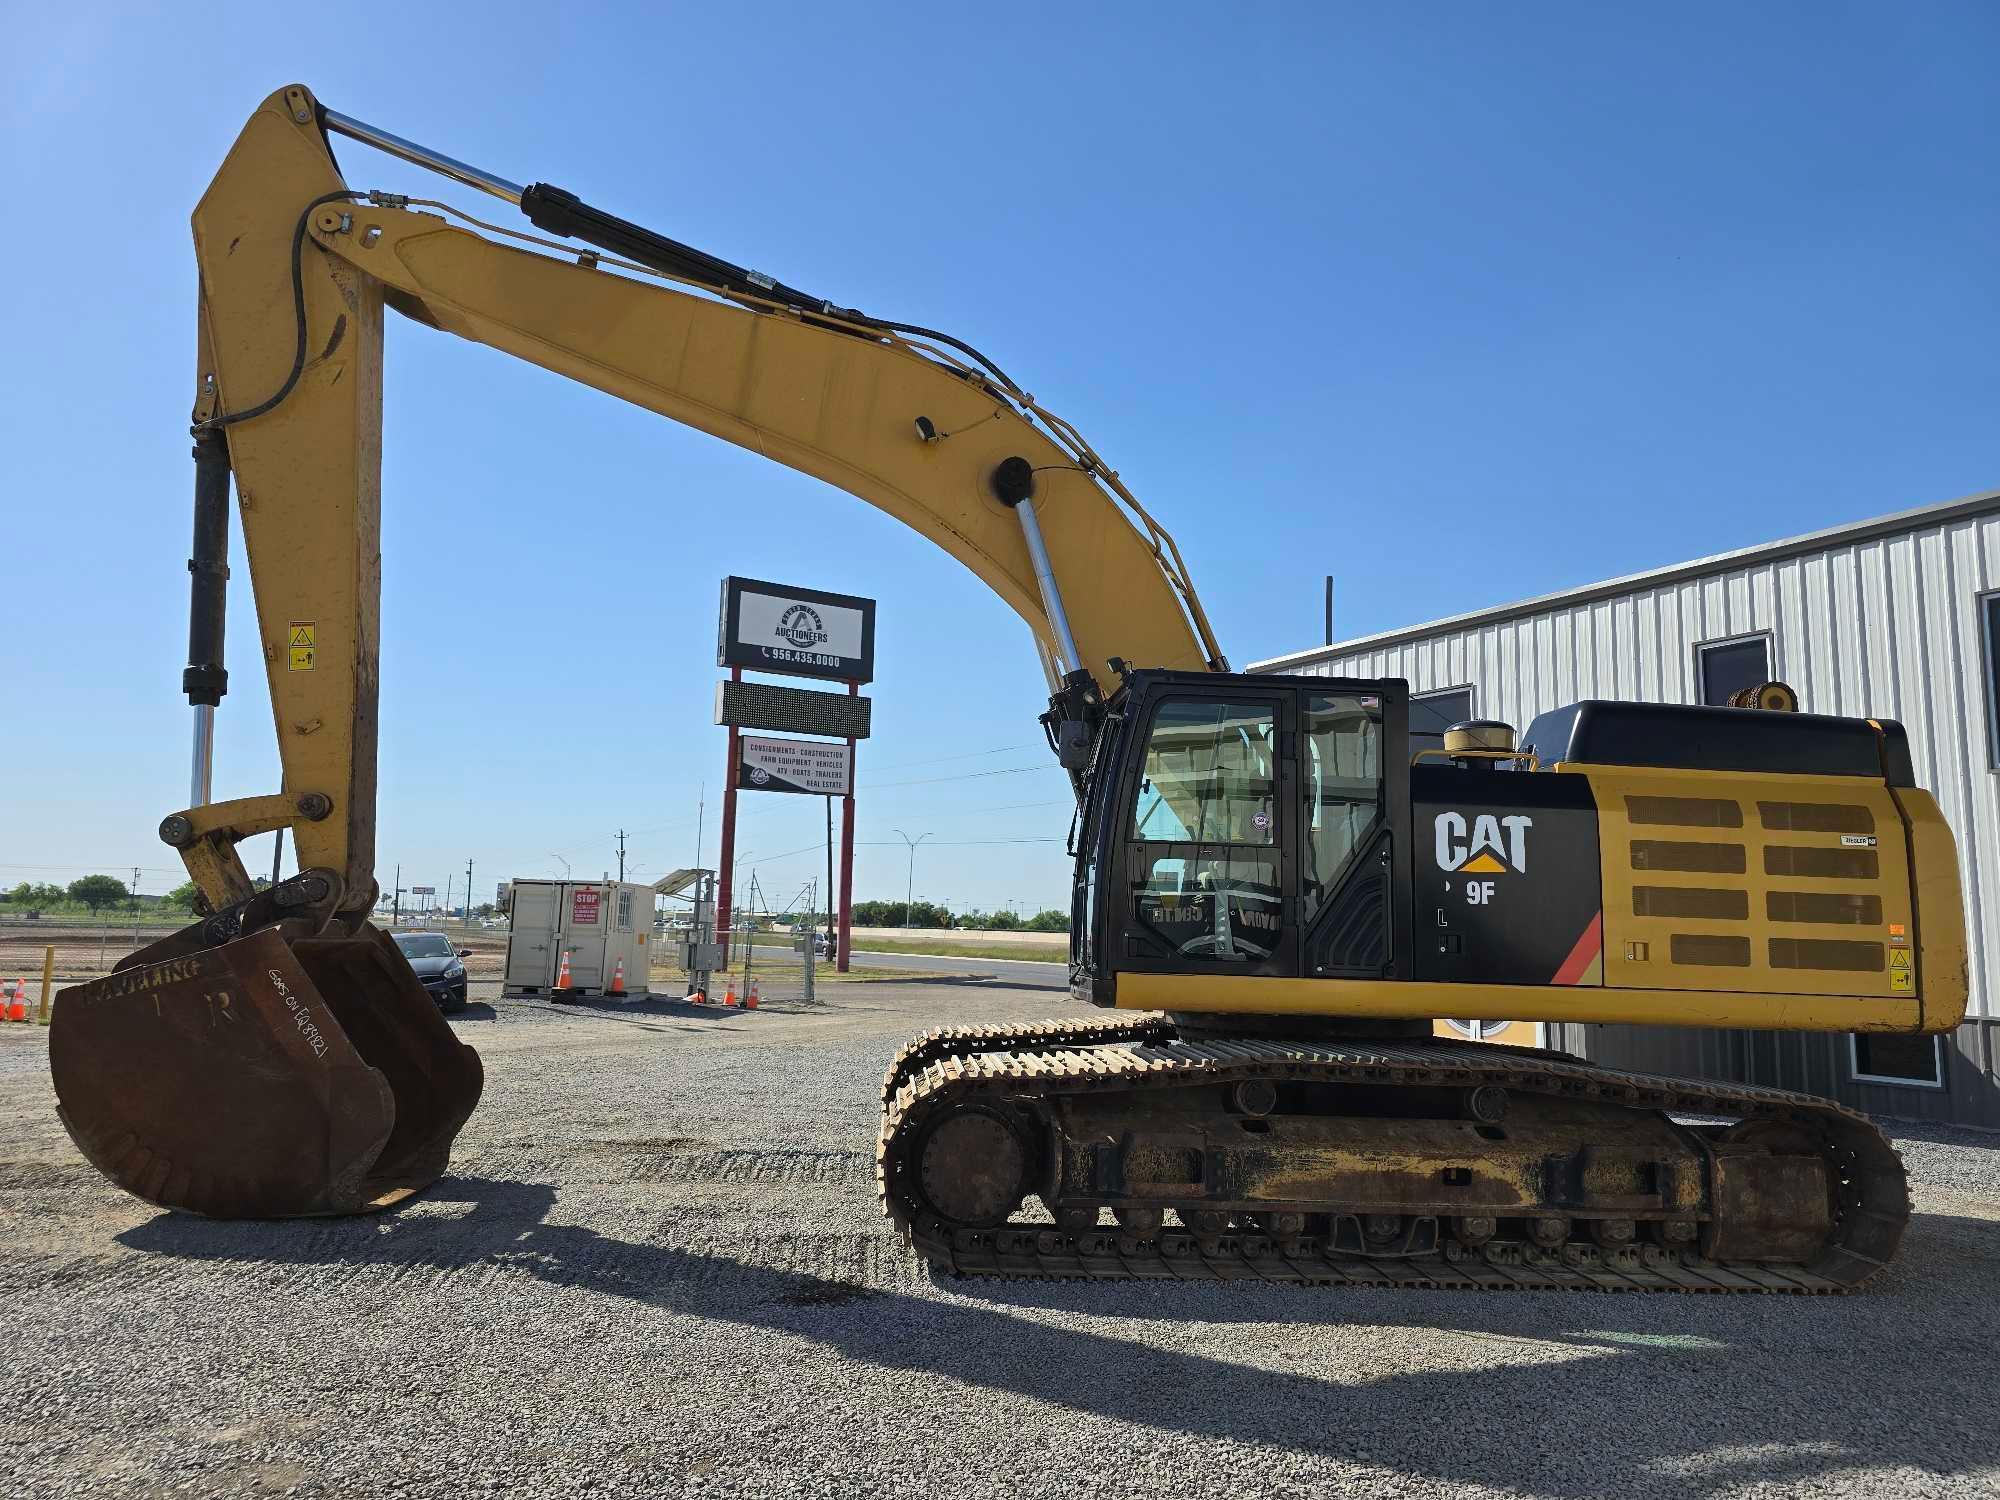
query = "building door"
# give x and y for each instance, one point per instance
(531, 956)
(586, 915)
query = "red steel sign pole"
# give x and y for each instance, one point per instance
(846, 856)
(727, 857)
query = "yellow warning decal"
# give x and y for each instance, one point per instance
(1899, 958)
(1486, 864)
(1899, 980)
(299, 644)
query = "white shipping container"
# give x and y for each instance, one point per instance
(597, 922)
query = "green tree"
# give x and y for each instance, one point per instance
(1049, 921)
(1004, 921)
(36, 894)
(181, 897)
(891, 914)
(97, 890)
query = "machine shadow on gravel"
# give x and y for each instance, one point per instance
(1658, 1394)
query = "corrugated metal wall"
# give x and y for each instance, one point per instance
(1887, 627)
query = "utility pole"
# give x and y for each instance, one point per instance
(396, 902)
(910, 884)
(621, 856)
(135, 906)
(468, 892)
(1329, 609)
(277, 856)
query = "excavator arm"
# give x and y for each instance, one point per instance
(296, 269)
(278, 1057)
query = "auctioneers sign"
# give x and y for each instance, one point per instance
(774, 627)
(811, 766)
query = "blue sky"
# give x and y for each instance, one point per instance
(1460, 303)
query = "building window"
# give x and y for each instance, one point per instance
(1431, 714)
(1882, 1057)
(1727, 667)
(1989, 611)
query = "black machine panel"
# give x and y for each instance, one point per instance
(1719, 739)
(1506, 884)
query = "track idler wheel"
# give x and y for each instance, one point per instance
(262, 1077)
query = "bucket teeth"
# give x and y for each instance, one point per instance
(263, 1079)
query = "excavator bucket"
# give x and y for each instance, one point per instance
(263, 1078)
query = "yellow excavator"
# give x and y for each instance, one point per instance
(1274, 895)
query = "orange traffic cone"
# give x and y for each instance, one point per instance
(563, 982)
(750, 996)
(618, 981)
(696, 997)
(729, 994)
(17, 1002)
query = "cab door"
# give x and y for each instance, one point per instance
(1208, 828)
(1353, 801)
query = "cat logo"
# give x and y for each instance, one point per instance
(1482, 850)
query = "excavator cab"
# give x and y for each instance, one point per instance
(1245, 826)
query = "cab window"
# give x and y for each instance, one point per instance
(1343, 788)
(1204, 831)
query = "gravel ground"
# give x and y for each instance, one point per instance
(657, 1268)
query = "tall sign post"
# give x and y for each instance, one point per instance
(794, 632)
(846, 939)
(725, 879)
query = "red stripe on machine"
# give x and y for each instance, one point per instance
(1584, 954)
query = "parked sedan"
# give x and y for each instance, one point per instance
(440, 967)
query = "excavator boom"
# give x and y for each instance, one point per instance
(296, 270)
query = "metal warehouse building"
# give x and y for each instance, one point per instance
(1893, 618)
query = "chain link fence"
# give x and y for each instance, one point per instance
(778, 967)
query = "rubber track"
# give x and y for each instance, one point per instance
(1027, 1036)
(1874, 1198)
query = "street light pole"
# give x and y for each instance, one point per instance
(910, 884)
